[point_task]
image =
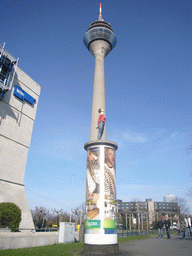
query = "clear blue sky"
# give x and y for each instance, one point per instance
(148, 94)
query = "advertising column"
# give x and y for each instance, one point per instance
(101, 224)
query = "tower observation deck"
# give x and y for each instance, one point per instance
(99, 40)
(100, 30)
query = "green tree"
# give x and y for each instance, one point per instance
(10, 216)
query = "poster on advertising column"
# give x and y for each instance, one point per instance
(92, 225)
(110, 222)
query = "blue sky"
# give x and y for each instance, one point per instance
(148, 94)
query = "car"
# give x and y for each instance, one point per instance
(173, 227)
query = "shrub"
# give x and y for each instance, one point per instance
(155, 225)
(10, 216)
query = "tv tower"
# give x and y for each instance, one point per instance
(101, 225)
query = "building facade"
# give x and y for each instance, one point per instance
(18, 106)
(170, 198)
(149, 210)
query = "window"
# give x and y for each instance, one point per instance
(6, 67)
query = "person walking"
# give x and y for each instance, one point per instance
(167, 226)
(183, 228)
(160, 225)
(188, 224)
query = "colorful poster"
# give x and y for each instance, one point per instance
(109, 185)
(93, 184)
(110, 224)
(92, 224)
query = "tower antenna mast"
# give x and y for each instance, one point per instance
(100, 11)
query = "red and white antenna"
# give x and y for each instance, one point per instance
(100, 11)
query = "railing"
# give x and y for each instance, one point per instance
(121, 232)
(46, 229)
(126, 233)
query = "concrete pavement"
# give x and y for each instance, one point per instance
(154, 246)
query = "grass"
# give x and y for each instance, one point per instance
(56, 249)
(133, 238)
(72, 249)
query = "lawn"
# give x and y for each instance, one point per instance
(56, 249)
(72, 249)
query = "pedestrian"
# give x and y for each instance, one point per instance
(167, 226)
(183, 228)
(178, 227)
(160, 225)
(100, 123)
(188, 224)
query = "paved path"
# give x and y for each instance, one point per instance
(157, 247)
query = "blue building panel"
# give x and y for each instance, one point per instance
(22, 95)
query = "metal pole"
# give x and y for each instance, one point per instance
(138, 223)
(126, 220)
(82, 203)
(71, 198)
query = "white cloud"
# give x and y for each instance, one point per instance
(124, 136)
(134, 137)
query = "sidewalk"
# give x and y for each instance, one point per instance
(157, 247)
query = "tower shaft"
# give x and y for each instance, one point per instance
(99, 49)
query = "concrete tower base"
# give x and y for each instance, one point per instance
(111, 249)
(15, 193)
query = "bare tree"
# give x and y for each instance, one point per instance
(183, 206)
(79, 212)
(58, 212)
(189, 192)
(190, 150)
(39, 215)
(65, 216)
